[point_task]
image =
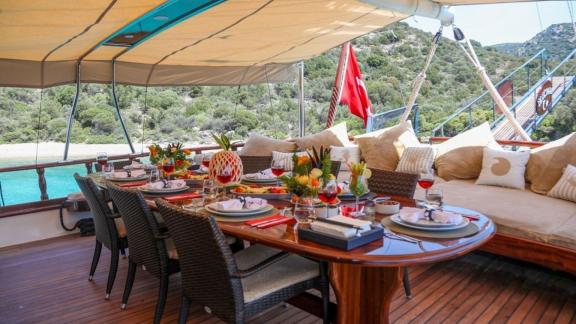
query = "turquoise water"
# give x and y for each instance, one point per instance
(22, 186)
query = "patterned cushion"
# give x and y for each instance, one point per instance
(279, 275)
(416, 159)
(565, 188)
(287, 158)
(258, 145)
(503, 168)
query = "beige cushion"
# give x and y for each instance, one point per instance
(565, 188)
(383, 151)
(547, 163)
(258, 145)
(333, 136)
(503, 168)
(171, 249)
(460, 157)
(416, 159)
(120, 227)
(521, 213)
(282, 274)
(344, 154)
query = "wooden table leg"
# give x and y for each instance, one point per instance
(364, 293)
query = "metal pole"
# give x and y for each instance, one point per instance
(117, 106)
(73, 112)
(302, 110)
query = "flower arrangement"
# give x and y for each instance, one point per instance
(310, 173)
(172, 151)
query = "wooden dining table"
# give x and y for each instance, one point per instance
(366, 278)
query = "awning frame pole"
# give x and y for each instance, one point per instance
(73, 112)
(301, 108)
(117, 106)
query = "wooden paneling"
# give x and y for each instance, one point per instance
(46, 282)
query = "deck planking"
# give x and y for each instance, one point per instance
(46, 282)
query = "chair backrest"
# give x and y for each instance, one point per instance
(142, 229)
(206, 262)
(117, 164)
(253, 164)
(104, 225)
(393, 183)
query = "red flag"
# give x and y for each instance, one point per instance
(354, 92)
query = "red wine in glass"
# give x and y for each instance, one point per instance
(277, 171)
(206, 163)
(102, 158)
(168, 168)
(327, 197)
(224, 178)
(425, 183)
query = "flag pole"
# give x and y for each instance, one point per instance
(338, 83)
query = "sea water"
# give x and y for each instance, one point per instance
(22, 186)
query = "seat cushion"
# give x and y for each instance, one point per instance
(259, 145)
(120, 227)
(284, 273)
(334, 136)
(520, 213)
(171, 249)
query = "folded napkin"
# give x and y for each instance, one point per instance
(184, 196)
(411, 214)
(262, 175)
(133, 184)
(270, 221)
(124, 174)
(136, 165)
(232, 204)
(254, 203)
(172, 184)
(341, 231)
(446, 217)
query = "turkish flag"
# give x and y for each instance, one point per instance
(354, 92)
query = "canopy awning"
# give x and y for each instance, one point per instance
(218, 42)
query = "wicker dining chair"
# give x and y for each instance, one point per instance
(253, 164)
(109, 228)
(149, 247)
(399, 184)
(236, 286)
(117, 164)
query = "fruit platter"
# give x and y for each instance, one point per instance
(266, 192)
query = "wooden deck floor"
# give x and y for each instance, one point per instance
(46, 282)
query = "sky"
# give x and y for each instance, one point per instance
(501, 23)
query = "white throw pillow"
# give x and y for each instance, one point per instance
(503, 168)
(416, 159)
(287, 158)
(350, 154)
(565, 188)
(334, 136)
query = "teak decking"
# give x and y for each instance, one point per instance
(46, 282)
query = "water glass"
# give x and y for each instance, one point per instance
(434, 197)
(155, 175)
(108, 169)
(304, 211)
(197, 203)
(209, 189)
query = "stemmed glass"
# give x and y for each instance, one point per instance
(277, 168)
(102, 159)
(426, 180)
(328, 194)
(304, 211)
(358, 187)
(206, 160)
(224, 176)
(168, 167)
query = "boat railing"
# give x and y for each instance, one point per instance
(46, 203)
(483, 108)
(382, 119)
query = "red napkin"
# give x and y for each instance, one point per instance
(283, 220)
(188, 195)
(133, 184)
(257, 222)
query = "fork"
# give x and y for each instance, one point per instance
(402, 237)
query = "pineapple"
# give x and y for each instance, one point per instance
(225, 159)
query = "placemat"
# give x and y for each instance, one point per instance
(235, 219)
(469, 230)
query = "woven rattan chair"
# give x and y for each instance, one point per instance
(117, 164)
(236, 286)
(393, 183)
(253, 164)
(109, 228)
(398, 184)
(149, 247)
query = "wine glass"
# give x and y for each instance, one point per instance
(328, 194)
(304, 211)
(206, 160)
(277, 168)
(209, 189)
(224, 176)
(102, 159)
(358, 187)
(108, 170)
(168, 166)
(426, 179)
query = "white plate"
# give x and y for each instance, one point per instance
(129, 179)
(235, 213)
(271, 180)
(163, 190)
(396, 219)
(214, 206)
(428, 223)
